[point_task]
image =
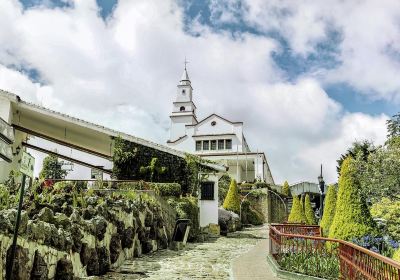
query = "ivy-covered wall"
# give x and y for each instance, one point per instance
(130, 157)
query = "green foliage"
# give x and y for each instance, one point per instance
(297, 212)
(325, 266)
(379, 176)
(223, 187)
(153, 170)
(187, 208)
(52, 168)
(251, 215)
(302, 212)
(393, 127)
(329, 209)
(286, 189)
(361, 149)
(232, 200)
(261, 185)
(389, 211)
(352, 218)
(4, 197)
(166, 189)
(128, 157)
(309, 212)
(396, 255)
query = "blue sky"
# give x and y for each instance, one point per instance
(307, 78)
(293, 65)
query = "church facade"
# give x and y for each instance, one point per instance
(214, 138)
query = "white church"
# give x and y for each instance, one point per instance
(214, 138)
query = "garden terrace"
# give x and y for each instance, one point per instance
(309, 253)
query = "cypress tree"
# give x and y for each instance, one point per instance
(309, 212)
(296, 213)
(286, 189)
(232, 199)
(302, 213)
(352, 218)
(329, 209)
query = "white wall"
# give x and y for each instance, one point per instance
(209, 208)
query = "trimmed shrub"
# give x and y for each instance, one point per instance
(223, 187)
(352, 218)
(286, 189)
(232, 200)
(303, 214)
(309, 212)
(167, 189)
(297, 213)
(396, 255)
(329, 209)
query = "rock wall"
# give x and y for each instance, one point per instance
(59, 241)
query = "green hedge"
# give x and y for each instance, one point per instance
(162, 189)
(232, 200)
(187, 208)
(309, 212)
(329, 209)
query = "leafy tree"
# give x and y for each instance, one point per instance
(286, 189)
(296, 213)
(154, 170)
(389, 211)
(379, 176)
(309, 212)
(364, 148)
(329, 209)
(52, 168)
(393, 127)
(352, 218)
(232, 200)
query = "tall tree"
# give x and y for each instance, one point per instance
(52, 168)
(363, 149)
(352, 217)
(393, 126)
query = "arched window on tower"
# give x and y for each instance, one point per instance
(182, 109)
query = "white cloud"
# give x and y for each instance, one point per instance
(123, 74)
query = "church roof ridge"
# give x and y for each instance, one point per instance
(214, 114)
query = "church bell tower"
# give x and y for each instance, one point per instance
(184, 110)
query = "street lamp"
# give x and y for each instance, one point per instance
(321, 189)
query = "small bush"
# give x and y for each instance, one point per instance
(223, 187)
(251, 215)
(232, 200)
(309, 212)
(260, 185)
(4, 197)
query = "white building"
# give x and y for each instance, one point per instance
(214, 138)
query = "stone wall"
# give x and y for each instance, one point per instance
(59, 241)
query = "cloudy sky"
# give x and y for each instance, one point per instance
(306, 77)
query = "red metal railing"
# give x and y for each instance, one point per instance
(311, 254)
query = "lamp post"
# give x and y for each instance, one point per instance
(321, 189)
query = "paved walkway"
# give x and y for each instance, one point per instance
(210, 260)
(253, 264)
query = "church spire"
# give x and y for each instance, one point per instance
(185, 76)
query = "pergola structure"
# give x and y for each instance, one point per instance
(20, 119)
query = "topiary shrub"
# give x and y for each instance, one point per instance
(232, 200)
(329, 209)
(303, 214)
(309, 212)
(296, 213)
(286, 189)
(396, 255)
(352, 218)
(223, 187)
